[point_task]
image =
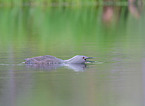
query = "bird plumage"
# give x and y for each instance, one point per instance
(47, 59)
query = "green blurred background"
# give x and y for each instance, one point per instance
(111, 31)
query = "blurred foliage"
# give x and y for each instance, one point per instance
(67, 3)
(65, 30)
(110, 33)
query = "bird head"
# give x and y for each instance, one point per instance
(78, 59)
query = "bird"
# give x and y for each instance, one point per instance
(48, 59)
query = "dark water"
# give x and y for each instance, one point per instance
(114, 35)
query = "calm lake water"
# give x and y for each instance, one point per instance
(114, 35)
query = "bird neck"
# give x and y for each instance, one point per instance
(71, 60)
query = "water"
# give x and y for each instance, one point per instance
(114, 35)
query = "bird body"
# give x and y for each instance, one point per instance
(47, 59)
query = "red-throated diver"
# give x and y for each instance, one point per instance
(47, 59)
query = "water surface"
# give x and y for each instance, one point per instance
(116, 40)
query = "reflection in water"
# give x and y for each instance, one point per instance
(51, 67)
(135, 8)
(43, 67)
(37, 31)
(113, 13)
(108, 14)
(76, 67)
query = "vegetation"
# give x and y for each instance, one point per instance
(67, 3)
(40, 31)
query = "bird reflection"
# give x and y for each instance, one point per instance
(51, 67)
(76, 67)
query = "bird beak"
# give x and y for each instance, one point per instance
(90, 57)
(87, 61)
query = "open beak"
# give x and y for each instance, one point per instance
(90, 57)
(87, 61)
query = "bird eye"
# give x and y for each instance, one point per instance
(84, 58)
